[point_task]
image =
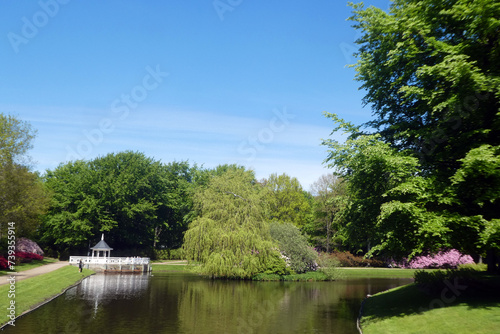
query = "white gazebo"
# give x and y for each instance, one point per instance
(103, 247)
(106, 263)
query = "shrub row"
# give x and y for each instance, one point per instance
(168, 254)
(21, 257)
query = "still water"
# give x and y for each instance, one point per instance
(185, 303)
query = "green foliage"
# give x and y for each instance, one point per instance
(130, 196)
(294, 247)
(330, 200)
(428, 177)
(328, 265)
(371, 168)
(23, 198)
(286, 200)
(16, 139)
(429, 69)
(169, 254)
(230, 238)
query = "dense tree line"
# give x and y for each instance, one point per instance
(423, 175)
(428, 176)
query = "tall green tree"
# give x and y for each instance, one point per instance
(430, 73)
(430, 70)
(23, 198)
(371, 168)
(329, 205)
(230, 237)
(287, 200)
(16, 139)
(128, 195)
(184, 180)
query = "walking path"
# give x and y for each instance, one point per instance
(34, 272)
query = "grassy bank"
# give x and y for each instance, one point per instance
(338, 273)
(165, 268)
(458, 308)
(341, 273)
(31, 292)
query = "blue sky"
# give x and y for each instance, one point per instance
(212, 82)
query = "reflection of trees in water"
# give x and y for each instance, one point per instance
(237, 306)
(190, 304)
(264, 307)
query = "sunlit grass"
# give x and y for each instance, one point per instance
(31, 292)
(407, 309)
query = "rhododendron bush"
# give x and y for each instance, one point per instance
(444, 259)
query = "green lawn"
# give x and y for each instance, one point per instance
(376, 273)
(455, 310)
(343, 273)
(33, 291)
(169, 268)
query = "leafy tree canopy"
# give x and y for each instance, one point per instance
(430, 69)
(135, 199)
(23, 197)
(286, 199)
(231, 238)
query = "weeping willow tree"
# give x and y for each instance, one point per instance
(230, 237)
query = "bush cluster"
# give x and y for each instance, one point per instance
(25, 257)
(21, 257)
(450, 259)
(346, 259)
(293, 246)
(435, 282)
(169, 254)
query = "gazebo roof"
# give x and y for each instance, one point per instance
(101, 245)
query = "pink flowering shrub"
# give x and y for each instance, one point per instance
(444, 259)
(27, 257)
(4, 264)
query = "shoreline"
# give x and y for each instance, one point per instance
(42, 300)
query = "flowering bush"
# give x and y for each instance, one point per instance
(298, 255)
(4, 264)
(27, 257)
(444, 259)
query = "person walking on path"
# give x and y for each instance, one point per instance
(80, 265)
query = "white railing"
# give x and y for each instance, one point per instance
(108, 260)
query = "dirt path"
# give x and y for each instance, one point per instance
(34, 272)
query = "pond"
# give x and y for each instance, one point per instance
(186, 303)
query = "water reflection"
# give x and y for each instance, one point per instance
(183, 303)
(102, 287)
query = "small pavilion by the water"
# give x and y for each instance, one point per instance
(103, 247)
(101, 260)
